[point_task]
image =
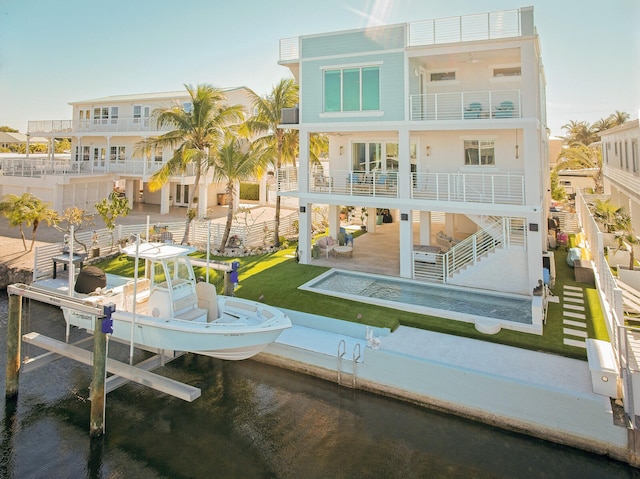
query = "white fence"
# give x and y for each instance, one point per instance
(249, 236)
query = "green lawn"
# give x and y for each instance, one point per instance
(274, 279)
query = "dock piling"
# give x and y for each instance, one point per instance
(14, 341)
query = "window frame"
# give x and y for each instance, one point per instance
(365, 97)
(479, 157)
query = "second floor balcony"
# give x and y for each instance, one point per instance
(487, 188)
(471, 105)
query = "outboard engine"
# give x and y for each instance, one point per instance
(90, 279)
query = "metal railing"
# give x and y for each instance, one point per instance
(500, 233)
(49, 126)
(469, 187)
(95, 125)
(355, 183)
(38, 167)
(466, 28)
(508, 189)
(466, 105)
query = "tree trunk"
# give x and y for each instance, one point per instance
(227, 227)
(190, 215)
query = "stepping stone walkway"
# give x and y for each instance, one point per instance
(574, 318)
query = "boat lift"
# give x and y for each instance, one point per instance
(100, 385)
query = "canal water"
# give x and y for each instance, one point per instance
(252, 421)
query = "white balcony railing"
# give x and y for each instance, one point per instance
(342, 182)
(504, 189)
(49, 126)
(471, 105)
(119, 125)
(38, 167)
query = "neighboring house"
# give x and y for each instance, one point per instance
(622, 167)
(443, 122)
(12, 140)
(104, 132)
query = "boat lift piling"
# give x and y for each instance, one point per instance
(230, 272)
(99, 360)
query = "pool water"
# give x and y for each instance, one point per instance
(444, 301)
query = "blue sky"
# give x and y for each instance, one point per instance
(55, 52)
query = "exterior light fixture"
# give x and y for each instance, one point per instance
(428, 150)
(341, 150)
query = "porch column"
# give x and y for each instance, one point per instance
(304, 233)
(262, 193)
(334, 220)
(107, 155)
(129, 190)
(303, 170)
(164, 199)
(425, 227)
(449, 219)
(404, 164)
(406, 244)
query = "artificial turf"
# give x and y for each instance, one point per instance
(274, 278)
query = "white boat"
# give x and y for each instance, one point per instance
(167, 309)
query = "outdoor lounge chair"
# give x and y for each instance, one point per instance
(348, 238)
(474, 111)
(505, 110)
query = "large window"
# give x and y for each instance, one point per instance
(479, 152)
(117, 153)
(352, 89)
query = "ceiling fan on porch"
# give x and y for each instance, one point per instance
(471, 59)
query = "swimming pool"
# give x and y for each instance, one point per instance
(462, 304)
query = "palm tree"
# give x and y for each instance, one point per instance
(626, 237)
(27, 209)
(38, 212)
(579, 132)
(280, 145)
(607, 213)
(582, 157)
(195, 138)
(236, 160)
(619, 118)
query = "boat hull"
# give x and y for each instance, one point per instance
(241, 339)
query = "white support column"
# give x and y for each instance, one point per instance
(334, 220)
(406, 244)
(107, 156)
(425, 227)
(130, 190)
(164, 199)
(404, 163)
(262, 194)
(303, 170)
(304, 233)
(449, 219)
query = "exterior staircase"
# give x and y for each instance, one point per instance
(498, 232)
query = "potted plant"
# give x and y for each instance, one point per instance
(379, 216)
(363, 215)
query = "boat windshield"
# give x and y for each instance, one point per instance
(170, 273)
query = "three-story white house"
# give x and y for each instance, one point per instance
(104, 133)
(442, 122)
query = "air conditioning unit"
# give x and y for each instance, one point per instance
(290, 116)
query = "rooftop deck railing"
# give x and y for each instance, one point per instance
(470, 105)
(119, 125)
(466, 28)
(49, 126)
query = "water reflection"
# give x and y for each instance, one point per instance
(255, 421)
